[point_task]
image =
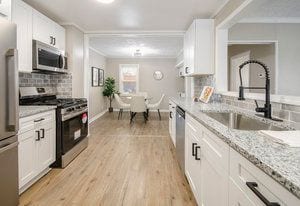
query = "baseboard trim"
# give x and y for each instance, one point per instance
(34, 180)
(97, 116)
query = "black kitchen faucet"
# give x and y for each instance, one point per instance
(267, 109)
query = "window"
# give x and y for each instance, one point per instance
(129, 78)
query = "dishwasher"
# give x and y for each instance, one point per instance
(180, 137)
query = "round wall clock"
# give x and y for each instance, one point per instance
(158, 75)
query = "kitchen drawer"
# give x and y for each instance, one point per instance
(31, 122)
(215, 150)
(237, 197)
(243, 171)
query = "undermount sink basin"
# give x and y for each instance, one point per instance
(241, 122)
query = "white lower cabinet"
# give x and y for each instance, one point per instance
(192, 156)
(255, 184)
(220, 176)
(37, 145)
(27, 157)
(214, 170)
(172, 121)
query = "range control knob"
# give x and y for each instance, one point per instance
(70, 109)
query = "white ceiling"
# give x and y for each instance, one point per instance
(269, 11)
(128, 14)
(123, 46)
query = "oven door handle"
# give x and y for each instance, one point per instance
(70, 116)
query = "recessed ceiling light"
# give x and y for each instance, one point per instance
(106, 1)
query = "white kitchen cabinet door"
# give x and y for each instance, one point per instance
(214, 183)
(42, 28)
(172, 121)
(214, 170)
(46, 149)
(27, 157)
(59, 37)
(199, 48)
(5, 9)
(22, 16)
(193, 160)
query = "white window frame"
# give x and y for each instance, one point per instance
(137, 78)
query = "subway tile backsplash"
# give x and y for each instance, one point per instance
(283, 111)
(60, 84)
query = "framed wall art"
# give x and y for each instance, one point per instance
(101, 77)
(95, 77)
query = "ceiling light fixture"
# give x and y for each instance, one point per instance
(106, 1)
(137, 53)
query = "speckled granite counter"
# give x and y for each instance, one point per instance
(280, 162)
(26, 111)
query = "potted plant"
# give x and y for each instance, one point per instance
(109, 90)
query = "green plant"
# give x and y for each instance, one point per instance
(109, 90)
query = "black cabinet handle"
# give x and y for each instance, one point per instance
(193, 149)
(39, 136)
(253, 186)
(51, 39)
(186, 70)
(170, 115)
(43, 133)
(54, 41)
(196, 153)
(39, 120)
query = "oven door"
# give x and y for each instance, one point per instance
(47, 58)
(73, 131)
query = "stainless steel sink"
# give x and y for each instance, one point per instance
(241, 122)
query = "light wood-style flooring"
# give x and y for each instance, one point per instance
(128, 165)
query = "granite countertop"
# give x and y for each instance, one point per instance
(280, 162)
(26, 111)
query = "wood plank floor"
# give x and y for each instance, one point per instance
(123, 165)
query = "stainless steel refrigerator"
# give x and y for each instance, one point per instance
(9, 115)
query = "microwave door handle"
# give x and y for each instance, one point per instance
(12, 103)
(61, 62)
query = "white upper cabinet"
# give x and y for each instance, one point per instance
(5, 9)
(60, 37)
(199, 48)
(22, 16)
(47, 31)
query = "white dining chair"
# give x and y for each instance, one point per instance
(122, 105)
(156, 106)
(138, 105)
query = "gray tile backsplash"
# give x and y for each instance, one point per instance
(206, 80)
(201, 81)
(283, 111)
(60, 84)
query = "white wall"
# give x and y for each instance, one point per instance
(287, 36)
(170, 85)
(75, 52)
(97, 103)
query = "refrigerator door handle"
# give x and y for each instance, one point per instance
(12, 103)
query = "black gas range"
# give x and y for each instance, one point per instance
(71, 123)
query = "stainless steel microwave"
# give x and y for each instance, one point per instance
(48, 59)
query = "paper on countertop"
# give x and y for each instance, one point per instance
(290, 138)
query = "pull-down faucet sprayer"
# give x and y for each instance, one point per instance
(267, 109)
